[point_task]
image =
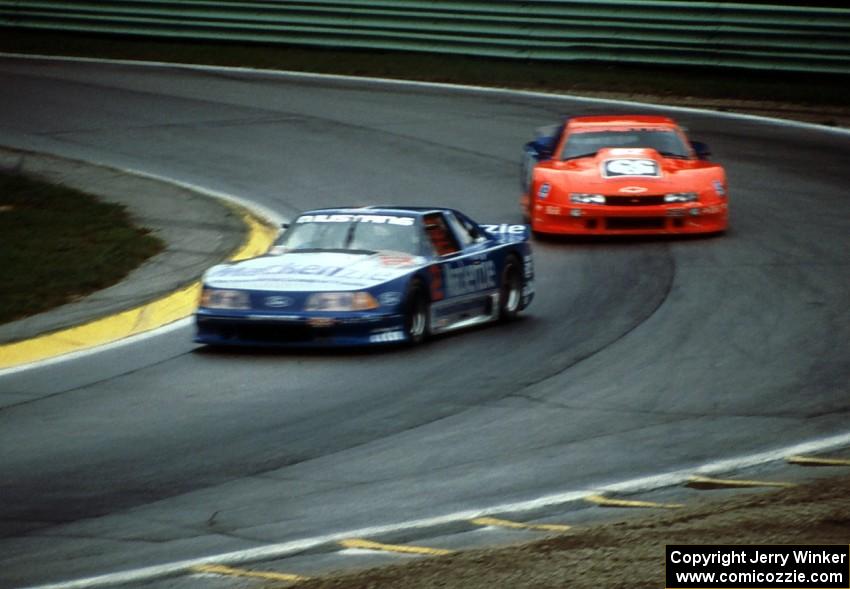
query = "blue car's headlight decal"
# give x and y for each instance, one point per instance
(341, 301)
(390, 298)
(221, 298)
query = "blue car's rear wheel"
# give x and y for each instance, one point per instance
(510, 295)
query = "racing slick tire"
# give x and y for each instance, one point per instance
(510, 293)
(417, 318)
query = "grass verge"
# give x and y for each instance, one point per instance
(58, 244)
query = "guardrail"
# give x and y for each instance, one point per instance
(752, 36)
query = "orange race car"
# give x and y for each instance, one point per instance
(621, 175)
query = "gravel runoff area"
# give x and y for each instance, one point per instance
(628, 553)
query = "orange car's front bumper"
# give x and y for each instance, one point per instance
(614, 220)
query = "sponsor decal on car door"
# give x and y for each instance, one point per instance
(468, 283)
(469, 275)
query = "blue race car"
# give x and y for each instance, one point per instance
(375, 275)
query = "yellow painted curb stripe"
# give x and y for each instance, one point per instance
(503, 523)
(404, 549)
(707, 482)
(217, 569)
(260, 237)
(168, 309)
(815, 461)
(604, 501)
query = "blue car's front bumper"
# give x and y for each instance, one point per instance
(298, 330)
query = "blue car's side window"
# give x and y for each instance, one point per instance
(467, 232)
(441, 237)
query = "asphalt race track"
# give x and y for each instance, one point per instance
(637, 357)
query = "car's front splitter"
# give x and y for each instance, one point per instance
(298, 331)
(574, 220)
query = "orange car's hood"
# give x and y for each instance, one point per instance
(630, 170)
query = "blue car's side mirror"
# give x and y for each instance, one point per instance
(543, 147)
(701, 149)
(540, 150)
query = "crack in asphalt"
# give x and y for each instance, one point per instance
(678, 414)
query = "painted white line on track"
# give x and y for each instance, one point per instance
(283, 549)
(102, 348)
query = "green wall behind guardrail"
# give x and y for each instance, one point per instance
(666, 32)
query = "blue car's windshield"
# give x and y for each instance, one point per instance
(586, 144)
(353, 232)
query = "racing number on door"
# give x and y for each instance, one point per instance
(437, 293)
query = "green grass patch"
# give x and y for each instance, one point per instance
(58, 244)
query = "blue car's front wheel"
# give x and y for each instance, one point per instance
(417, 318)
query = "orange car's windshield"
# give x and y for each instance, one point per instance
(586, 144)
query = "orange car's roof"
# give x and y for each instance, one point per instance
(619, 121)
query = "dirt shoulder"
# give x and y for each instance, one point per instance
(627, 553)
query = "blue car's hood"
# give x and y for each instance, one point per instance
(313, 271)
